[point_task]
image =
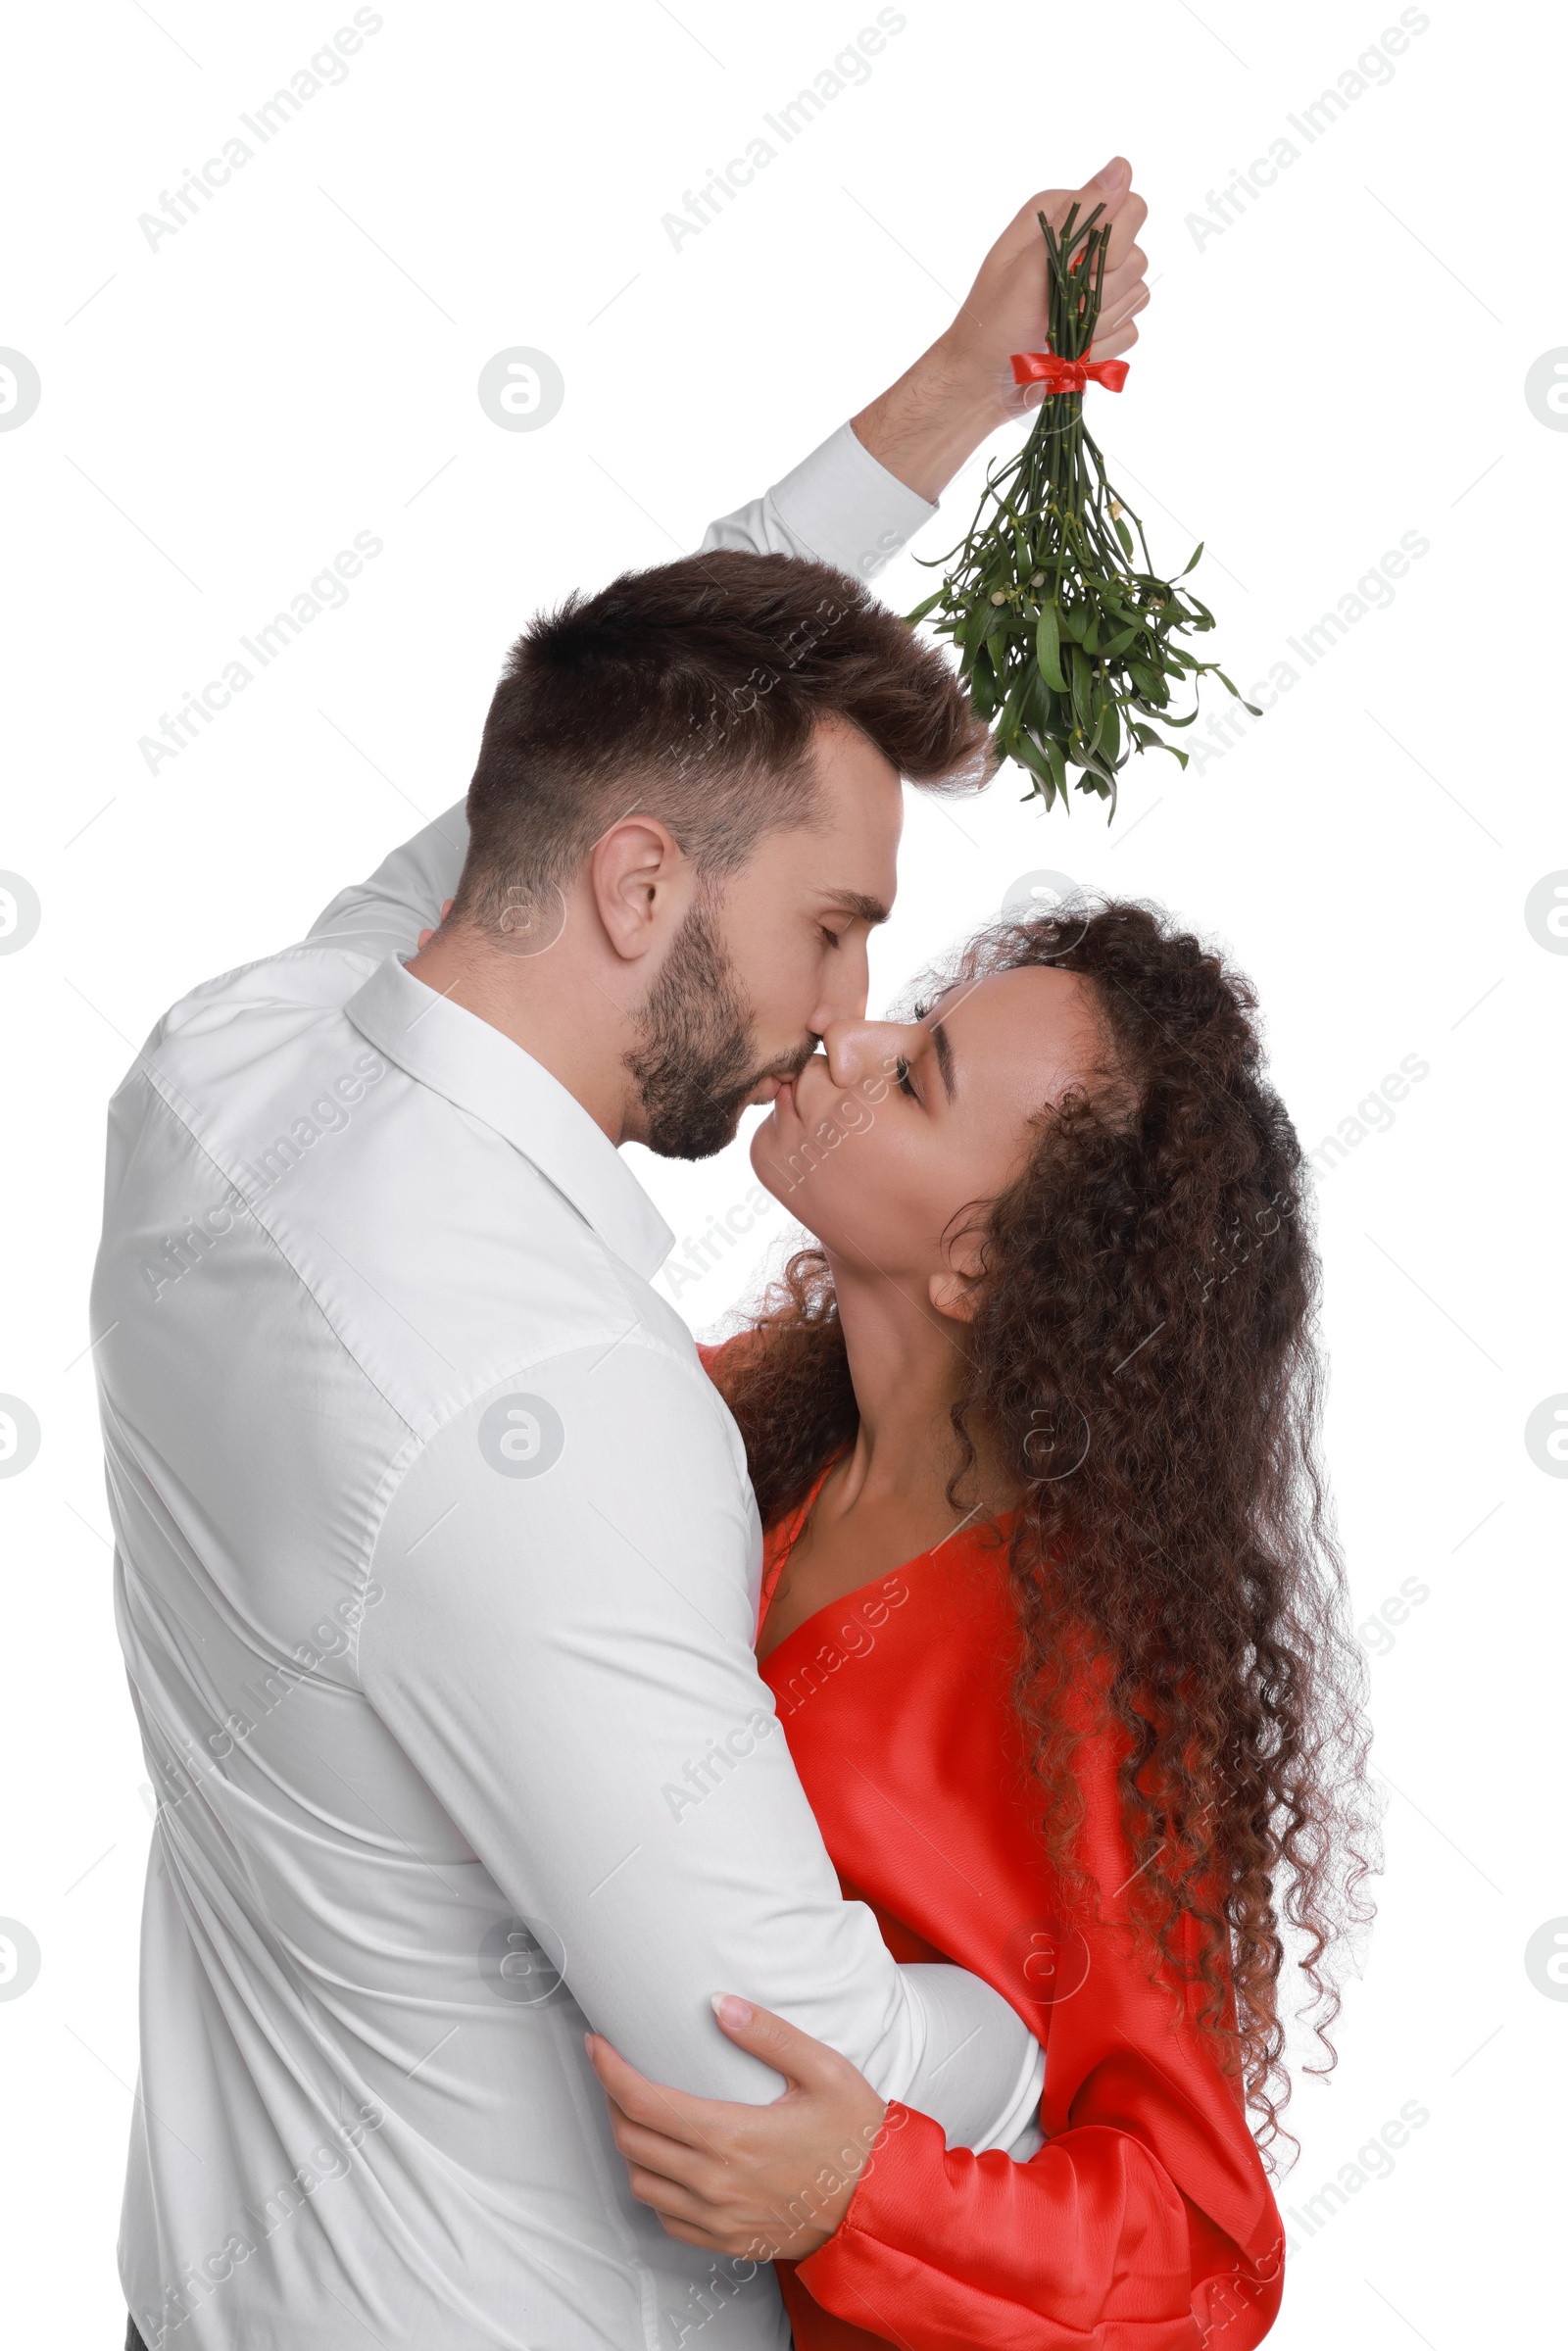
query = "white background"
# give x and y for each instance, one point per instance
(1342, 364)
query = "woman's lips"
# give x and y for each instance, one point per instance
(773, 1090)
(784, 1092)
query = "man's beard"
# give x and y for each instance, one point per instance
(693, 1064)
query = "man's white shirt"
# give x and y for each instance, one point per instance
(436, 1576)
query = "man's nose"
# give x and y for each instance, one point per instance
(858, 1049)
(846, 983)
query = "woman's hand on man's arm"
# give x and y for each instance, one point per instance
(758, 2183)
(426, 936)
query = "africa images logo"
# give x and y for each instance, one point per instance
(521, 1436)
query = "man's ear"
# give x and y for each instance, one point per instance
(956, 1291)
(635, 870)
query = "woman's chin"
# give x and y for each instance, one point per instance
(767, 1154)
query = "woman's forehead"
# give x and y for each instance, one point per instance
(1031, 998)
(1018, 1039)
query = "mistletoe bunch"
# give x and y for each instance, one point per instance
(1068, 642)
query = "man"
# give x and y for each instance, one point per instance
(436, 1562)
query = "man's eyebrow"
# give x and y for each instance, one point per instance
(856, 901)
(944, 1052)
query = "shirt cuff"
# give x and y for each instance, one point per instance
(845, 505)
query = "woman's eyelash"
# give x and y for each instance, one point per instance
(902, 1066)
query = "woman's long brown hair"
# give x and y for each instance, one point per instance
(1144, 1360)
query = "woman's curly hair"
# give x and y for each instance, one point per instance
(1144, 1358)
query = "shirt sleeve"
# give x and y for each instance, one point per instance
(563, 1652)
(385, 914)
(839, 506)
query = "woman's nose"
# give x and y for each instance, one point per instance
(857, 1050)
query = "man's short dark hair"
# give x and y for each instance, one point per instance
(691, 691)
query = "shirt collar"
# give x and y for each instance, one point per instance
(471, 1063)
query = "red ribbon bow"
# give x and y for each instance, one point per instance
(1066, 376)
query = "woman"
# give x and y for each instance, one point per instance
(1054, 1618)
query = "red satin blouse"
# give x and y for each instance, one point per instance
(1145, 2220)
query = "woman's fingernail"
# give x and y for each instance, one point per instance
(731, 2011)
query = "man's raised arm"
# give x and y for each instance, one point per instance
(856, 502)
(838, 504)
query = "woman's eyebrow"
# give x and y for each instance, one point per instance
(944, 1052)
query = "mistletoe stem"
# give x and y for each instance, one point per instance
(1068, 644)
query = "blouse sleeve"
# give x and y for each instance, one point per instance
(1144, 2223)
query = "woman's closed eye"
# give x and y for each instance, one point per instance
(901, 1067)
